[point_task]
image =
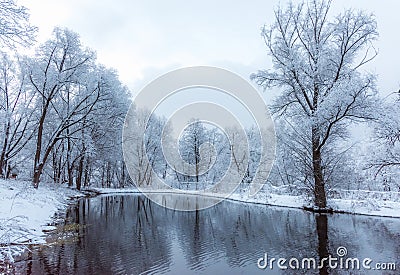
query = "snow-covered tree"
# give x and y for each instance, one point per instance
(218, 164)
(100, 149)
(238, 144)
(205, 151)
(15, 28)
(385, 154)
(92, 151)
(61, 75)
(316, 63)
(16, 112)
(59, 109)
(142, 142)
(194, 135)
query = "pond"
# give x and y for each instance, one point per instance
(129, 234)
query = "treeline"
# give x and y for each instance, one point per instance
(62, 115)
(199, 158)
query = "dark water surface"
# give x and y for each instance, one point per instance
(128, 234)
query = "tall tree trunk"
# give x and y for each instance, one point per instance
(38, 165)
(3, 157)
(319, 183)
(80, 172)
(70, 166)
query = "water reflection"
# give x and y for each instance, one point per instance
(131, 235)
(322, 231)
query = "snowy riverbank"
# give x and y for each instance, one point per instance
(25, 212)
(360, 205)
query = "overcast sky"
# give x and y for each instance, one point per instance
(143, 39)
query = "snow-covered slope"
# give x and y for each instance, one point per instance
(26, 211)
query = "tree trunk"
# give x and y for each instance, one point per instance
(123, 176)
(102, 175)
(196, 159)
(87, 173)
(319, 183)
(80, 173)
(70, 172)
(3, 158)
(38, 166)
(36, 176)
(108, 174)
(70, 166)
(56, 167)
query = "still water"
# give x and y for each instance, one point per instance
(128, 234)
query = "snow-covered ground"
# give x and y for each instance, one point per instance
(25, 212)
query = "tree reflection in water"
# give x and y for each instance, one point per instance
(322, 231)
(128, 234)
